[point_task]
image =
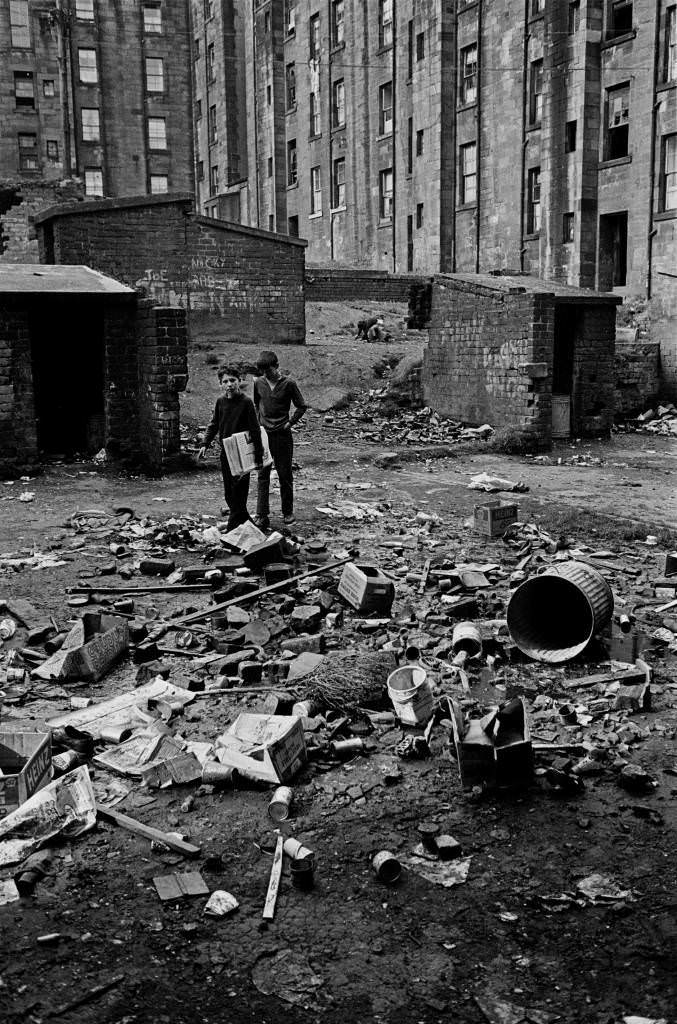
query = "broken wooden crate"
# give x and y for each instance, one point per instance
(25, 767)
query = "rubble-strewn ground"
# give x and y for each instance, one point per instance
(518, 930)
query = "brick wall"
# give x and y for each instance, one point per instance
(490, 356)
(637, 372)
(18, 437)
(219, 271)
(163, 373)
(336, 284)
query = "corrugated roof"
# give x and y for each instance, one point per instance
(47, 279)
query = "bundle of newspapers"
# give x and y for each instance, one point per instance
(239, 449)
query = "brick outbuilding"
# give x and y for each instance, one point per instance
(521, 353)
(85, 364)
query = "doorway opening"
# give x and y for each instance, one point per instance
(567, 331)
(613, 250)
(67, 354)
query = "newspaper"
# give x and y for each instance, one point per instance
(66, 807)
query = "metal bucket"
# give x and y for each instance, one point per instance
(466, 637)
(411, 695)
(553, 617)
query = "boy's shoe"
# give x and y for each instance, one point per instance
(263, 522)
(291, 518)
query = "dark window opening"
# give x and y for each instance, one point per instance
(570, 137)
(613, 250)
(619, 18)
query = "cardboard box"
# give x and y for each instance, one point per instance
(492, 518)
(366, 588)
(26, 763)
(239, 449)
(267, 747)
(92, 646)
(495, 750)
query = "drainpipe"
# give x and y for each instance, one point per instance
(330, 123)
(478, 208)
(525, 138)
(394, 102)
(454, 148)
(62, 21)
(652, 158)
(255, 84)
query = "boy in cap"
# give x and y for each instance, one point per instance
(233, 413)
(274, 394)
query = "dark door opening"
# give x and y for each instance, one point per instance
(613, 250)
(567, 329)
(68, 375)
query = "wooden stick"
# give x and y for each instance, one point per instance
(426, 572)
(147, 831)
(274, 883)
(197, 616)
(150, 589)
(88, 997)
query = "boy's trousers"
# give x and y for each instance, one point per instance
(281, 444)
(236, 492)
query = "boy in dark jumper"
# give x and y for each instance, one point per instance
(274, 395)
(233, 413)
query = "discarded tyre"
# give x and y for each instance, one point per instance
(553, 617)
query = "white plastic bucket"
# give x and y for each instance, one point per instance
(411, 694)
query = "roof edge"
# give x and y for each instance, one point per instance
(122, 203)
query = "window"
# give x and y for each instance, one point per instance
(48, 90)
(468, 174)
(534, 201)
(198, 109)
(159, 184)
(94, 181)
(155, 74)
(87, 67)
(419, 142)
(410, 50)
(84, 9)
(212, 131)
(152, 19)
(157, 133)
(570, 137)
(669, 173)
(24, 91)
(266, 22)
(338, 198)
(52, 150)
(385, 194)
(536, 92)
(420, 46)
(200, 170)
(339, 104)
(18, 24)
(314, 46)
(270, 166)
(410, 145)
(289, 17)
(292, 163)
(91, 130)
(537, 7)
(28, 151)
(419, 215)
(269, 95)
(385, 109)
(214, 180)
(196, 49)
(568, 223)
(337, 23)
(574, 19)
(290, 79)
(671, 44)
(315, 190)
(315, 122)
(208, 9)
(271, 221)
(385, 23)
(619, 18)
(617, 124)
(469, 74)
(211, 63)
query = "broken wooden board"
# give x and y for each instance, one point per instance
(147, 831)
(274, 883)
(177, 887)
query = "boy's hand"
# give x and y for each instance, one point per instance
(202, 452)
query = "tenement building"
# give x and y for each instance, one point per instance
(98, 89)
(432, 135)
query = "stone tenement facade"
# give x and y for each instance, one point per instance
(251, 279)
(85, 363)
(500, 349)
(100, 89)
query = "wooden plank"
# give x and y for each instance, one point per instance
(147, 831)
(198, 616)
(274, 883)
(633, 675)
(426, 572)
(150, 589)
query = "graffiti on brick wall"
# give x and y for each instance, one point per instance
(161, 288)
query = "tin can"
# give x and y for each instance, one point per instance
(65, 762)
(448, 848)
(345, 749)
(278, 808)
(296, 850)
(216, 774)
(412, 654)
(302, 873)
(304, 709)
(386, 867)
(115, 733)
